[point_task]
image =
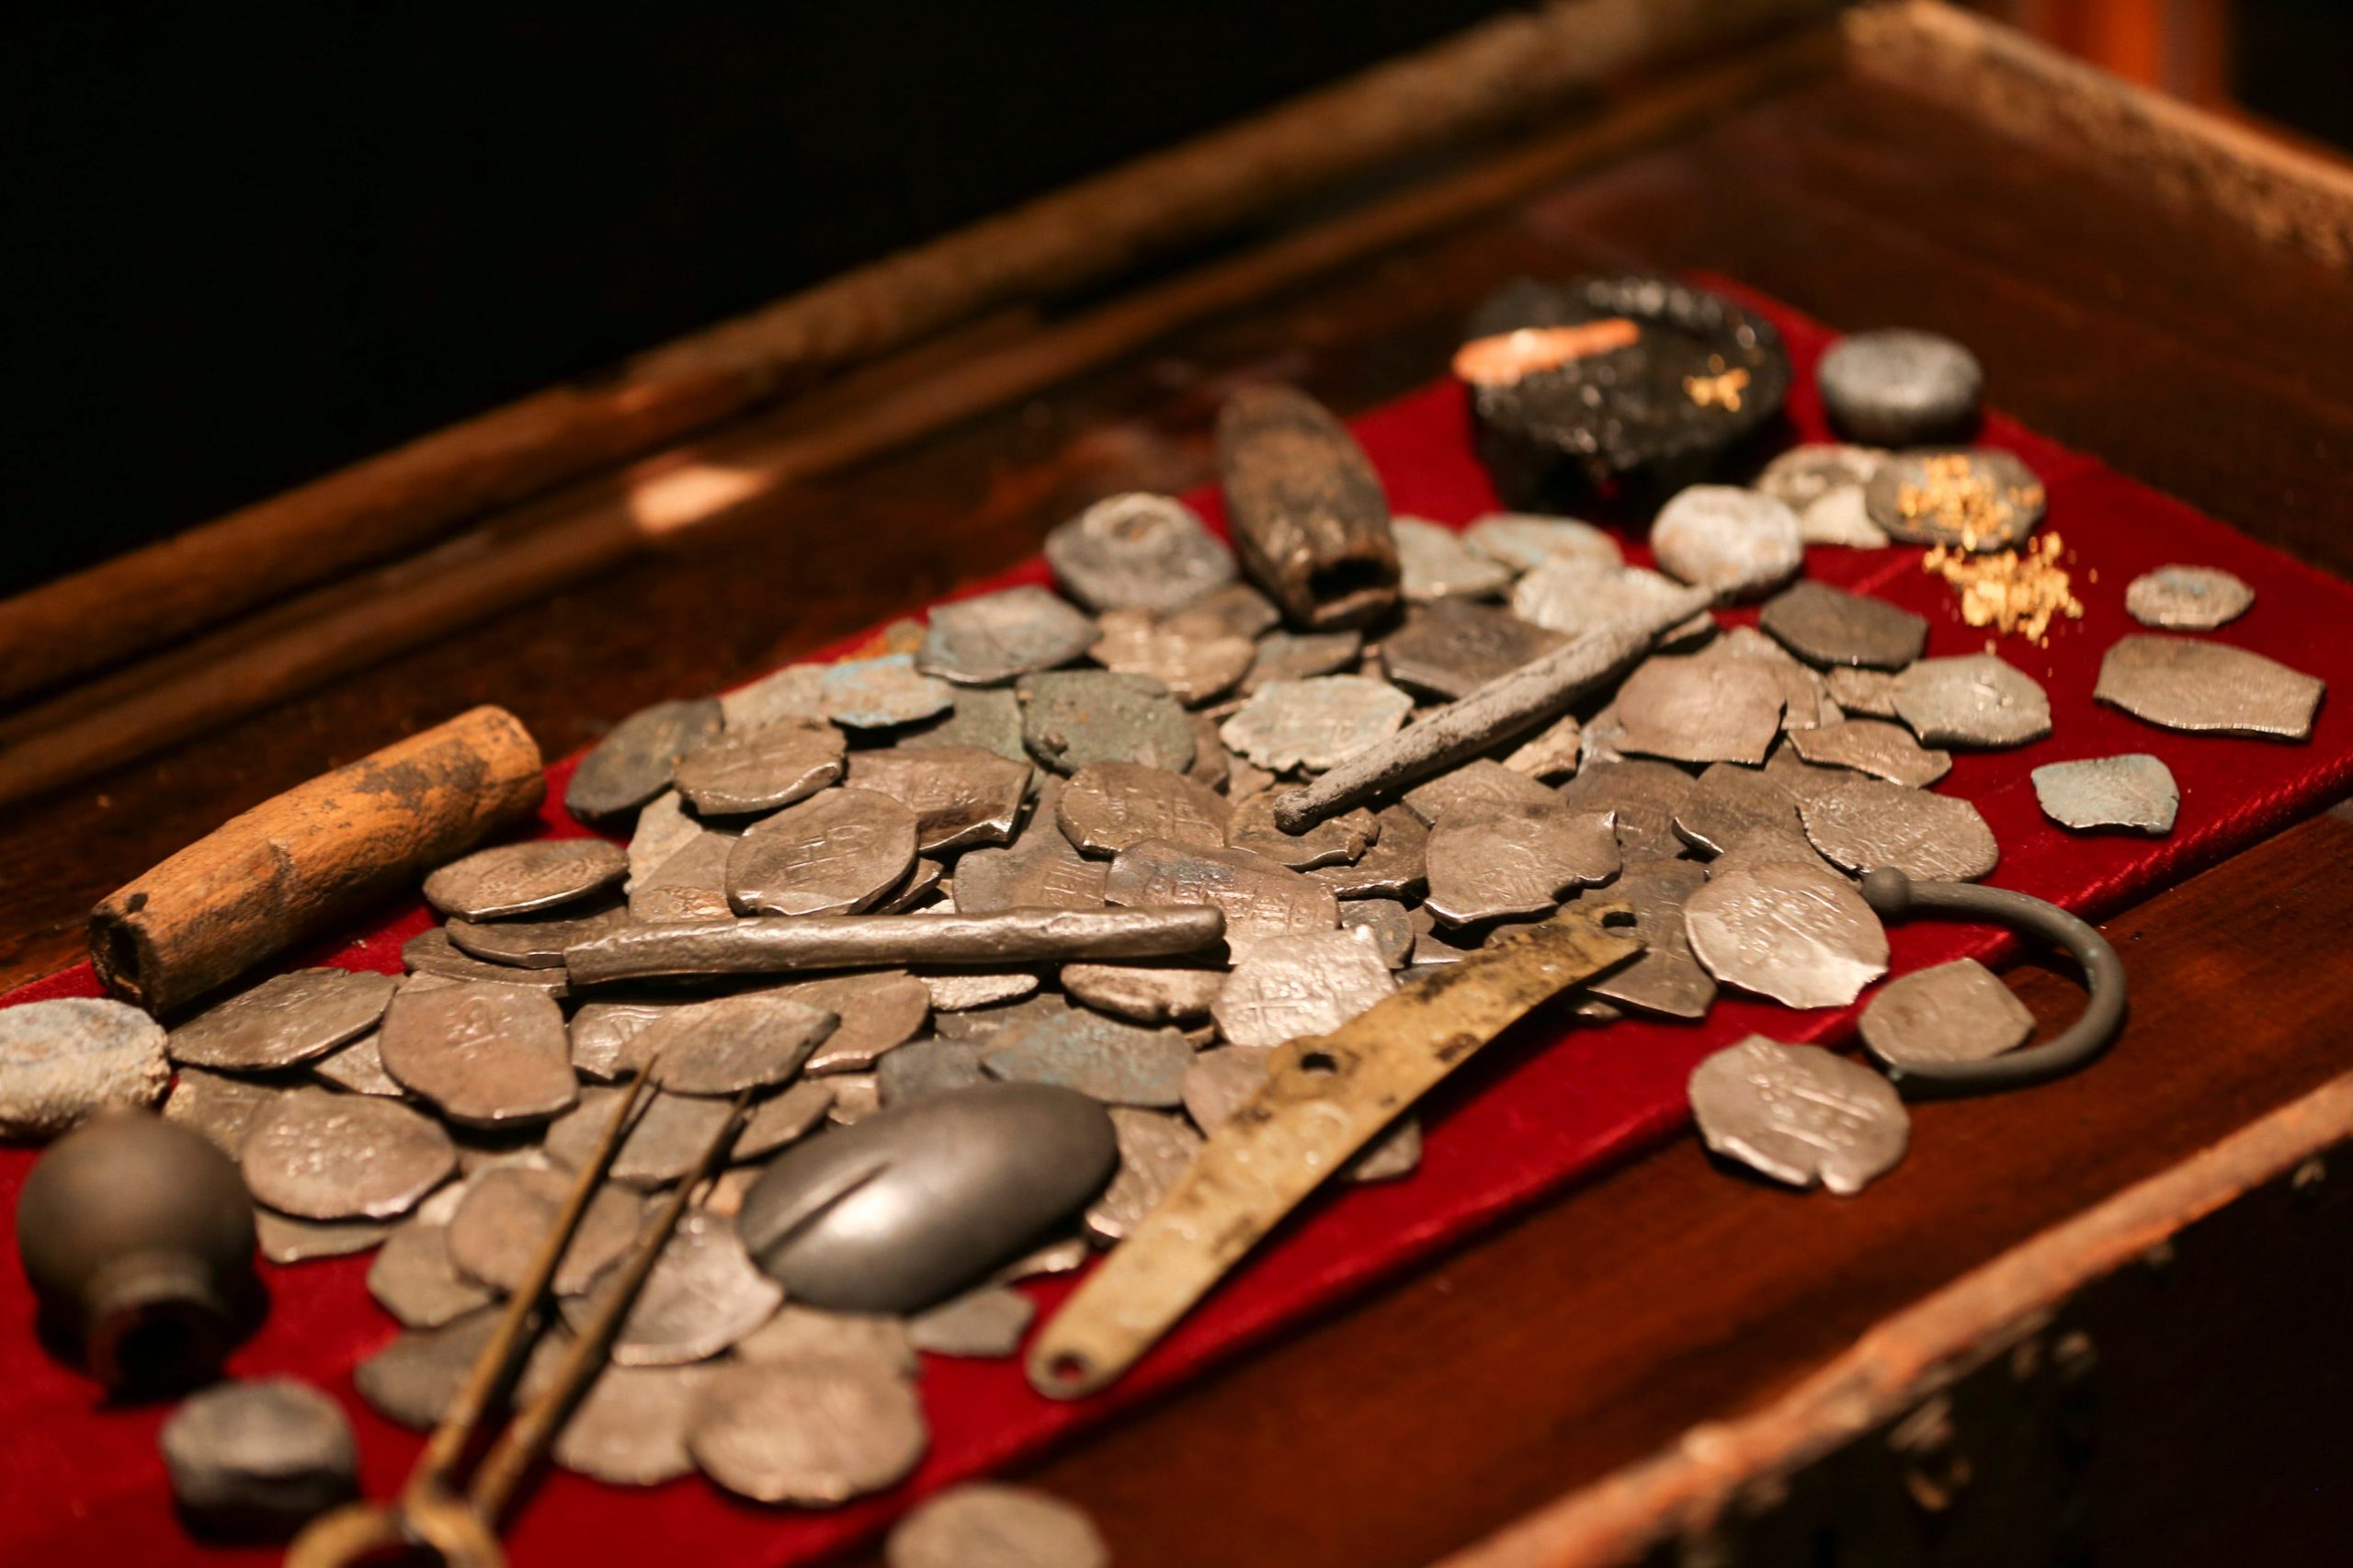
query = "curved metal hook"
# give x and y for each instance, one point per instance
(1897, 897)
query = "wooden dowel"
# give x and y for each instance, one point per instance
(1495, 73)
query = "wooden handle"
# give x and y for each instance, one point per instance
(321, 851)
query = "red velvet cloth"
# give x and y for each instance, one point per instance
(1540, 1109)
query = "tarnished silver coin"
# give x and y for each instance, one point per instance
(1868, 693)
(631, 1430)
(1259, 898)
(1299, 985)
(988, 718)
(636, 759)
(922, 1068)
(1302, 655)
(691, 885)
(319, 1155)
(1108, 806)
(1435, 563)
(805, 1432)
(959, 990)
(1870, 745)
(1490, 860)
(605, 1034)
(259, 1456)
(785, 1116)
(1954, 1012)
(1236, 607)
(881, 693)
(1666, 979)
(1145, 992)
(856, 1095)
(988, 1020)
(1154, 1149)
(835, 853)
(1196, 658)
(1314, 723)
(536, 941)
(1220, 1082)
(1797, 933)
(1739, 543)
(982, 1324)
(877, 1009)
(806, 1334)
(662, 1144)
(1335, 841)
(990, 638)
(1524, 542)
(285, 1019)
(1871, 823)
(412, 1381)
(519, 879)
(2186, 598)
(1104, 1058)
(983, 1525)
(63, 1061)
(1982, 499)
(1800, 1113)
(508, 1215)
(1387, 923)
(432, 959)
(1734, 807)
(489, 1056)
(962, 796)
(2136, 792)
(703, 1295)
(1395, 865)
(1479, 780)
(1552, 753)
(1452, 648)
(1574, 596)
(1071, 718)
(412, 1277)
(1806, 696)
(1642, 797)
(1041, 869)
(759, 771)
(1138, 552)
(792, 692)
(1842, 517)
(1807, 473)
(2182, 682)
(1827, 626)
(1899, 387)
(1699, 710)
(223, 1107)
(1976, 700)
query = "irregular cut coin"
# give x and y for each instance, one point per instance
(1666, 979)
(1197, 659)
(1573, 596)
(1108, 806)
(1041, 870)
(631, 1430)
(1293, 987)
(808, 1432)
(1395, 865)
(1479, 780)
(961, 795)
(1138, 552)
(1982, 499)
(1737, 542)
(957, 991)
(327, 1156)
(784, 1117)
(434, 960)
(290, 1241)
(1827, 626)
(988, 717)
(412, 1277)
(1974, 700)
(2182, 682)
(662, 828)
(1552, 753)
(225, 1110)
(877, 1009)
(792, 692)
(989, 638)
(414, 1379)
(878, 693)
(703, 1295)
(2135, 792)
(537, 941)
(1435, 563)
(984, 1525)
(1104, 1058)
(983, 1324)
(605, 1033)
(2186, 598)
(1954, 1012)
(1493, 859)
(1807, 473)
(759, 771)
(1868, 693)
(1523, 541)
(1335, 841)
(1806, 696)
(1314, 723)
(922, 1068)
(1734, 807)
(260, 1456)
(1869, 824)
(1154, 1149)
(691, 885)
(1452, 648)
(508, 1215)
(1642, 797)
(1896, 387)
(1387, 923)
(636, 759)
(662, 1144)
(1220, 1082)
(63, 1061)
(285, 1019)
(1146, 992)
(1073, 717)
(1800, 934)
(518, 878)
(1259, 898)
(485, 1055)
(1302, 655)
(1798, 1114)
(1236, 607)
(1699, 710)
(805, 1333)
(835, 853)
(1870, 746)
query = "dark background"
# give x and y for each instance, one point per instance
(240, 252)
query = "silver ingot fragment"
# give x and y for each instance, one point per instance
(1800, 934)
(1138, 552)
(522, 879)
(2136, 792)
(61, 1062)
(1954, 1012)
(1800, 1113)
(1871, 823)
(259, 1458)
(1975, 700)
(785, 944)
(990, 639)
(1738, 543)
(2182, 682)
(2186, 598)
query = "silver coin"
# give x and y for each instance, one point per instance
(1525, 542)
(519, 879)
(1806, 474)
(1220, 1082)
(759, 771)
(982, 1324)
(1480, 780)
(225, 1109)
(1734, 807)
(784, 1117)
(605, 1033)
(808, 1432)
(1666, 979)
(878, 1009)
(1898, 386)
(924, 887)
(691, 885)
(989, 638)
(983, 1525)
(1493, 859)
(1435, 563)
(508, 1214)
(2186, 598)
(1737, 542)
(1118, 1063)
(1294, 986)
(959, 991)
(989, 1020)
(327, 1156)
(922, 1068)
(285, 1240)
(489, 1056)
(1071, 718)
(1803, 780)
(285, 1019)
(1108, 806)
(631, 1430)
(662, 1144)
(1154, 1149)
(1826, 626)
(1954, 1012)
(536, 941)
(635, 761)
(1797, 933)
(1302, 655)
(703, 1295)
(1195, 658)
(265, 1453)
(1395, 865)
(2136, 792)
(1236, 607)
(881, 693)
(1974, 700)
(412, 1277)
(757, 1040)
(1148, 994)
(2181, 683)
(1386, 923)
(1574, 596)
(1798, 1114)
(1870, 746)
(806, 1334)
(1869, 694)
(412, 1381)
(792, 692)
(63, 1061)
(432, 954)
(1259, 898)
(1642, 797)
(1806, 696)
(1871, 823)
(856, 1095)
(1552, 753)
(835, 853)
(988, 717)
(1041, 869)
(1335, 841)
(1138, 552)
(1982, 499)
(1699, 710)
(1452, 648)
(1314, 723)
(1841, 517)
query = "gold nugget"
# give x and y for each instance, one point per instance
(2016, 592)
